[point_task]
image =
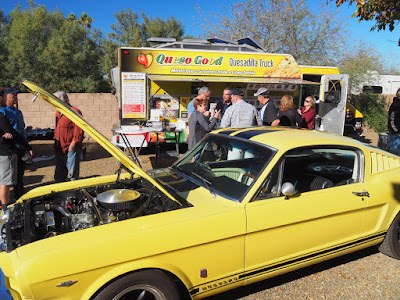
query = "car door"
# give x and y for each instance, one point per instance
(323, 217)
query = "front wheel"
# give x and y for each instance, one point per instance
(391, 244)
(146, 285)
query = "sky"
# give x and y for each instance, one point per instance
(102, 11)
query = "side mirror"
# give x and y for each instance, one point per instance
(288, 190)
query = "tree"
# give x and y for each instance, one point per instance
(385, 12)
(4, 29)
(362, 63)
(72, 18)
(53, 51)
(85, 20)
(280, 26)
(110, 58)
(171, 28)
(372, 107)
(127, 30)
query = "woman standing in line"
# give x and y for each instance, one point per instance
(307, 113)
(199, 125)
(287, 114)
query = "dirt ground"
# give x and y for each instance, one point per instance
(97, 162)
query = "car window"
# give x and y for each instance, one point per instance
(226, 165)
(310, 169)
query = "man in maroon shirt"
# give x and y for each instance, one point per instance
(68, 144)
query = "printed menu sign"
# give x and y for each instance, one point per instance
(134, 104)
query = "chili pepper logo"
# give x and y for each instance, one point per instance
(145, 59)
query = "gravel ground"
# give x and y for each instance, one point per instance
(365, 274)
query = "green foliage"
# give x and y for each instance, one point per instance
(85, 20)
(127, 30)
(171, 28)
(362, 63)
(51, 50)
(4, 24)
(372, 106)
(66, 53)
(384, 12)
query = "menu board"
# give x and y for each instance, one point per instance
(134, 103)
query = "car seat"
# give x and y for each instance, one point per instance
(320, 183)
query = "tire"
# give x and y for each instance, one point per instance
(391, 244)
(148, 284)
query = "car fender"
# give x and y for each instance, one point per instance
(136, 266)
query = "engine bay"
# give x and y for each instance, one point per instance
(62, 212)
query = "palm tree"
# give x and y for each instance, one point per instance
(71, 17)
(85, 20)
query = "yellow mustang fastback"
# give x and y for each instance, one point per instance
(242, 206)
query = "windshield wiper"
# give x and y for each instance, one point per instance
(206, 183)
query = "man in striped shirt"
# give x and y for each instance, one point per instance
(241, 114)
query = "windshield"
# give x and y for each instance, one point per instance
(225, 165)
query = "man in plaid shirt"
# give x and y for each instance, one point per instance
(241, 114)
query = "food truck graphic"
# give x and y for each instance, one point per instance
(154, 85)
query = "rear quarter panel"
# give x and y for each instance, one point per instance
(382, 178)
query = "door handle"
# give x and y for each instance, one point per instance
(361, 194)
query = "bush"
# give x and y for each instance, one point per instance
(372, 106)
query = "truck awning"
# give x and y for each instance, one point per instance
(262, 80)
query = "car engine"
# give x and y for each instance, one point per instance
(62, 212)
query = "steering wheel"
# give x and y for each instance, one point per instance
(247, 175)
(254, 178)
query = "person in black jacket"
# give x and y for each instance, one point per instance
(199, 125)
(288, 114)
(268, 113)
(222, 105)
(394, 125)
(8, 154)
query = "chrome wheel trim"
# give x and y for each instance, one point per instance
(145, 288)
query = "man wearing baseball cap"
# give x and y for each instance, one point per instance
(268, 112)
(241, 114)
(14, 115)
(8, 156)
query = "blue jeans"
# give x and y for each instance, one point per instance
(394, 144)
(68, 163)
(3, 289)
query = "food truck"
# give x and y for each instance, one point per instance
(155, 85)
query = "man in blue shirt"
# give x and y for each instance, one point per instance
(14, 115)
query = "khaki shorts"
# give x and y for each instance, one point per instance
(8, 170)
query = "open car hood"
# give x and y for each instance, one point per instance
(97, 136)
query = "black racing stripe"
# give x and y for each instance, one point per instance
(227, 132)
(195, 291)
(252, 133)
(242, 276)
(310, 256)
